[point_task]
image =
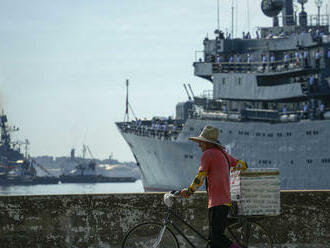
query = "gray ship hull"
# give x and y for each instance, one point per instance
(301, 151)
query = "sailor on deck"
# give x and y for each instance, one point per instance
(306, 55)
(297, 57)
(317, 58)
(272, 62)
(238, 61)
(311, 83)
(305, 111)
(322, 108)
(264, 61)
(286, 60)
(231, 60)
(248, 60)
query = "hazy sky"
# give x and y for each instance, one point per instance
(63, 65)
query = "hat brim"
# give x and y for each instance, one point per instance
(200, 138)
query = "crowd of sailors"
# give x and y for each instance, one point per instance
(313, 110)
(316, 34)
(269, 62)
(162, 128)
(169, 129)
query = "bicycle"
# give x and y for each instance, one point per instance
(242, 230)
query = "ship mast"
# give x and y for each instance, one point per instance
(232, 19)
(218, 18)
(126, 117)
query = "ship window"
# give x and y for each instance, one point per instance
(279, 134)
(246, 133)
(239, 81)
(191, 156)
(315, 132)
(291, 161)
(191, 129)
(220, 130)
(223, 80)
(308, 132)
(309, 161)
(257, 134)
(229, 131)
(288, 134)
(185, 156)
(272, 81)
(240, 132)
(270, 135)
(264, 134)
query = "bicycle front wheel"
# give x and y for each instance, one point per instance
(253, 235)
(150, 235)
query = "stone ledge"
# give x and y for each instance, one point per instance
(100, 220)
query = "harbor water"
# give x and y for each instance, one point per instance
(72, 188)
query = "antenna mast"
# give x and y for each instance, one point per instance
(232, 19)
(218, 24)
(126, 117)
(248, 15)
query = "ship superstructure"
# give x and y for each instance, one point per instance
(270, 101)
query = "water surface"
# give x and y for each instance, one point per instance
(73, 188)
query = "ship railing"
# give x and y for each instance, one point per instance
(312, 20)
(258, 67)
(207, 94)
(318, 20)
(265, 115)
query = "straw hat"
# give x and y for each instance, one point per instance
(209, 134)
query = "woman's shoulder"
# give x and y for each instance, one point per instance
(212, 152)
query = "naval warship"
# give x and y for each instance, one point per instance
(270, 101)
(15, 167)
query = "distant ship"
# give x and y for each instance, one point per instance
(270, 101)
(86, 172)
(15, 168)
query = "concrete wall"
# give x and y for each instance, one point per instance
(100, 220)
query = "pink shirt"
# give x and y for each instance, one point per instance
(214, 163)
